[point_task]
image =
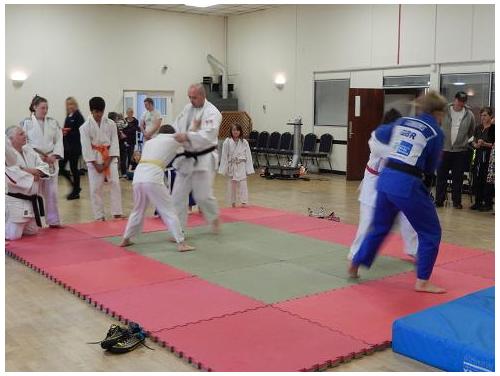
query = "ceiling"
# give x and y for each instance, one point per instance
(214, 10)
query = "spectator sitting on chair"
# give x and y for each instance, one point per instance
(484, 138)
(458, 127)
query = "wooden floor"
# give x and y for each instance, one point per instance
(47, 328)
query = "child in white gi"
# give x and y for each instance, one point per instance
(236, 163)
(149, 187)
(101, 150)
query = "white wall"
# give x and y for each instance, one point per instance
(89, 50)
(304, 39)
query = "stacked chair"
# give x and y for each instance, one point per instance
(280, 146)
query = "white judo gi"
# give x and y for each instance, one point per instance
(149, 186)
(236, 163)
(47, 138)
(96, 138)
(197, 176)
(20, 216)
(368, 199)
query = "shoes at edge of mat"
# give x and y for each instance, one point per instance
(120, 337)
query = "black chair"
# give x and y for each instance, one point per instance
(252, 139)
(325, 149)
(285, 146)
(273, 146)
(309, 147)
(261, 146)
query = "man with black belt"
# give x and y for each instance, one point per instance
(458, 127)
(23, 205)
(415, 148)
(197, 128)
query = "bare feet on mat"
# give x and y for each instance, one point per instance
(171, 239)
(425, 286)
(119, 216)
(101, 219)
(125, 242)
(183, 247)
(233, 205)
(353, 271)
(216, 226)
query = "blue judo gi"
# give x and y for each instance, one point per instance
(416, 145)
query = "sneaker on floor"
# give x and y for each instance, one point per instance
(475, 207)
(114, 335)
(73, 196)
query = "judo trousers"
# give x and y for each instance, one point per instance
(421, 213)
(157, 195)
(201, 183)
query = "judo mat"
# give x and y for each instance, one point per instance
(270, 293)
(457, 336)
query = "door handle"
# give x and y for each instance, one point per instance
(350, 130)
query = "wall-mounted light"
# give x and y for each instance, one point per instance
(164, 69)
(18, 78)
(459, 83)
(280, 81)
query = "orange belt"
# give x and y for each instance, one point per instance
(371, 170)
(104, 151)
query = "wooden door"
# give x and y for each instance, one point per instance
(366, 109)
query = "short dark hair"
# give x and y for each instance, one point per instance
(461, 96)
(36, 101)
(149, 100)
(166, 129)
(97, 104)
(391, 116)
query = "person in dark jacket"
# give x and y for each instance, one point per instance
(484, 139)
(72, 146)
(130, 131)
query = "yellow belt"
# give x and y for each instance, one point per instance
(155, 162)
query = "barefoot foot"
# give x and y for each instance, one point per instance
(119, 216)
(216, 226)
(183, 247)
(125, 242)
(353, 271)
(425, 286)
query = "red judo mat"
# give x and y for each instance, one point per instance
(112, 274)
(220, 329)
(264, 339)
(170, 304)
(368, 310)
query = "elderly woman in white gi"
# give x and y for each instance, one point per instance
(198, 131)
(24, 174)
(46, 138)
(236, 163)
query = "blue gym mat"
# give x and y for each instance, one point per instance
(456, 336)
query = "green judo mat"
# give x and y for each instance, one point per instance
(260, 262)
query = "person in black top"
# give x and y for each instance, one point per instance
(484, 138)
(72, 146)
(130, 131)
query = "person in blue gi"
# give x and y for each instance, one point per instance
(415, 148)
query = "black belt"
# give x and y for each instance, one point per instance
(406, 168)
(194, 154)
(37, 203)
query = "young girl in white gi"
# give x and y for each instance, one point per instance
(45, 136)
(236, 163)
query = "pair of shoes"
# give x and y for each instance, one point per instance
(121, 340)
(439, 204)
(457, 206)
(486, 208)
(73, 196)
(333, 217)
(475, 207)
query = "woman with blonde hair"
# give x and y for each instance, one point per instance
(72, 147)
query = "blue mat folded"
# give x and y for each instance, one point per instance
(456, 336)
